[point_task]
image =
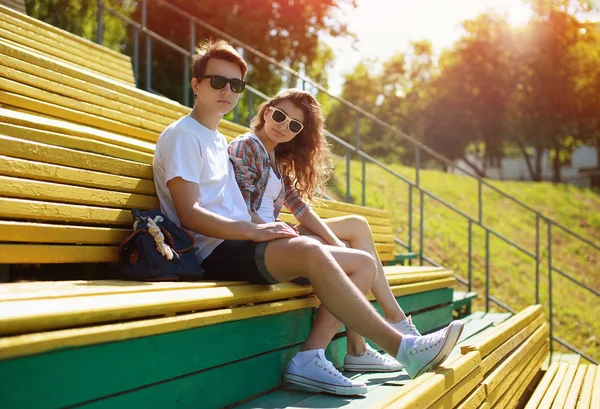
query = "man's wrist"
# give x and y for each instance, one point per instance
(248, 229)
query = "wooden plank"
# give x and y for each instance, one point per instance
(514, 393)
(436, 386)
(571, 401)
(57, 254)
(65, 43)
(77, 79)
(540, 390)
(565, 385)
(7, 33)
(458, 392)
(25, 169)
(396, 270)
(22, 232)
(77, 375)
(73, 142)
(72, 100)
(89, 98)
(118, 66)
(552, 390)
(89, 45)
(353, 209)
(63, 289)
(417, 277)
(474, 399)
(39, 152)
(474, 327)
(161, 104)
(54, 192)
(499, 379)
(14, 94)
(36, 122)
(418, 287)
(503, 350)
(47, 314)
(37, 343)
(585, 397)
(45, 211)
(189, 391)
(504, 331)
(595, 402)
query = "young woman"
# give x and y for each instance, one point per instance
(285, 161)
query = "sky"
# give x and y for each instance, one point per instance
(385, 27)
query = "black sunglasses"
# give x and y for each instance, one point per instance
(219, 82)
(279, 116)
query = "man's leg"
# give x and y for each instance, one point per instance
(338, 293)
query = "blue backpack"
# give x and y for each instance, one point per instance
(158, 250)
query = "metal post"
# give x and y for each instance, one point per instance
(136, 55)
(303, 85)
(186, 80)
(249, 108)
(487, 270)
(148, 47)
(418, 166)
(470, 268)
(422, 226)
(550, 283)
(410, 217)
(364, 181)
(479, 198)
(186, 85)
(100, 27)
(348, 175)
(537, 258)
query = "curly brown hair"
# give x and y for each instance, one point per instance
(306, 159)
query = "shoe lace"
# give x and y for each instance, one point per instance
(377, 355)
(412, 329)
(426, 342)
(328, 366)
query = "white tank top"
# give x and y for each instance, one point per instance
(272, 191)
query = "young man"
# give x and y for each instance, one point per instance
(196, 187)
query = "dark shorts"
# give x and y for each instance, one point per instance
(240, 260)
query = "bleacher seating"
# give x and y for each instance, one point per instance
(76, 146)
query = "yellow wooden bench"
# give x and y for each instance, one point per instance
(76, 149)
(491, 371)
(567, 386)
(44, 39)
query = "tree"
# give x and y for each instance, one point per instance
(468, 112)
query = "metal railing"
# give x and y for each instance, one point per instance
(194, 22)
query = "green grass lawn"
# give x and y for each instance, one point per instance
(512, 271)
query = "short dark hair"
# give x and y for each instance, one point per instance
(220, 50)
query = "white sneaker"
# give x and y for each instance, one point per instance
(419, 355)
(319, 375)
(371, 361)
(406, 327)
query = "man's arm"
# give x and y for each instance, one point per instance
(185, 197)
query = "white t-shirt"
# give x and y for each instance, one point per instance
(189, 150)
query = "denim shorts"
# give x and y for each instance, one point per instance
(240, 260)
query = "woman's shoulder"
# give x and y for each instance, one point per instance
(246, 139)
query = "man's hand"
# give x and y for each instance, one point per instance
(272, 231)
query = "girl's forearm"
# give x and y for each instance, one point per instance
(312, 222)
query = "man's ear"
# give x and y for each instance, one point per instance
(195, 85)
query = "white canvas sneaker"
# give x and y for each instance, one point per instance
(319, 375)
(406, 327)
(371, 361)
(429, 351)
